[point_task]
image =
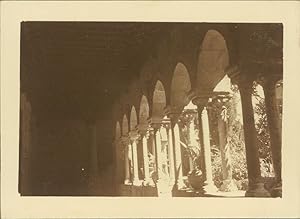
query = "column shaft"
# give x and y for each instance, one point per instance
(255, 187)
(193, 141)
(178, 160)
(127, 166)
(171, 155)
(205, 148)
(228, 183)
(158, 153)
(146, 160)
(272, 112)
(135, 163)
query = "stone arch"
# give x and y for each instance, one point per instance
(159, 100)
(144, 110)
(180, 86)
(212, 60)
(125, 128)
(133, 118)
(118, 130)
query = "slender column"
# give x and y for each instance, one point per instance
(134, 138)
(158, 153)
(171, 154)
(255, 186)
(164, 156)
(272, 112)
(178, 159)
(146, 161)
(228, 183)
(192, 139)
(174, 114)
(153, 151)
(126, 145)
(207, 170)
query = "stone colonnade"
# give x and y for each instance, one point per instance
(171, 172)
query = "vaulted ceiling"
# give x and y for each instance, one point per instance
(73, 69)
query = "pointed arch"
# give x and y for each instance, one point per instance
(133, 118)
(125, 125)
(212, 60)
(118, 131)
(144, 110)
(159, 99)
(180, 86)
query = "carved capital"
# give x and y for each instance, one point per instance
(143, 128)
(201, 98)
(125, 141)
(134, 135)
(173, 113)
(155, 122)
(269, 81)
(242, 76)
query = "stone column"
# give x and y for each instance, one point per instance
(171, 154)
(93, 167)
(127, 150)
(146, 161)
(204, 136)
(178, 159)
(134, 137)
(153, 169)
(143, 129)
(174, 114)
(274, 125)
(192, 137)
(164, 155)
(255, 185)
(228, 183)
(158, 153)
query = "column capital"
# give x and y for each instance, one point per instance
(143, 128)
(201, 98)
(134, 135)
(155, 123)
(166, 123)
(190, 114)
(242, 76)
(117, 141)
(173, 113)
(125, 140)
(268, 81)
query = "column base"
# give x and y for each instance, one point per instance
(257, 190)
(276, 191)
(137, 182)
(228, 186)
(127, 182)
(148, 182)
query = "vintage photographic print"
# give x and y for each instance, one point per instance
(151, 109)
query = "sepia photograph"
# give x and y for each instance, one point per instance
(149, 109)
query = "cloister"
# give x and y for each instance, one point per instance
(190, 69)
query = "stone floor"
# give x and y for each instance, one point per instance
(192, 193)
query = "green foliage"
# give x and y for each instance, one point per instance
(228, 111)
